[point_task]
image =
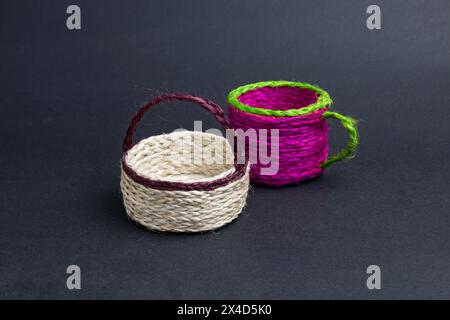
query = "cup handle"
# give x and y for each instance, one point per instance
(349, 150)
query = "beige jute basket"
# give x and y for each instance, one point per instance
(183, 181)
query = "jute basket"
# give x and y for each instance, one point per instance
(183, 181)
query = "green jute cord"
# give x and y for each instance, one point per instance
(349, 150)
(323, 100)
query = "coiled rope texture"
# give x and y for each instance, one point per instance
(168, 191)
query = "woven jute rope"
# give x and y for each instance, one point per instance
(199, 189)
(299, 112)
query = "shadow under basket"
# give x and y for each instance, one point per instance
(183, 181)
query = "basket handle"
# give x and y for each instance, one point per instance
(212, 107)
(349, 150)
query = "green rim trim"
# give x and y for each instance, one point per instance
(323, 101)
(349, 150)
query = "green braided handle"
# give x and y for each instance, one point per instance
(349, 150)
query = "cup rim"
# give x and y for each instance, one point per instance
(323, 100)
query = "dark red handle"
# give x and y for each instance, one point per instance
(204, 103)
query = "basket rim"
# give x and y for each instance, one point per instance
(238, 173)
(323, 101)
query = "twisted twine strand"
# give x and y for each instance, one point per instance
(349, 151)
(323, 99)
(209, 105)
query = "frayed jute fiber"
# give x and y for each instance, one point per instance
(199, 189)
(299, 111)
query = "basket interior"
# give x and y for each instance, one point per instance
(185, 156)
(279, 98)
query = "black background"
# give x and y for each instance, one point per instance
(67, 96)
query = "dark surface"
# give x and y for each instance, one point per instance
(67, 96)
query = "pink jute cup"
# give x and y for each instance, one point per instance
(289, 120)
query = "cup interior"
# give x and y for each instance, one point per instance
(279, 98)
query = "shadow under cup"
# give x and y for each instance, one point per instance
(289, 140)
